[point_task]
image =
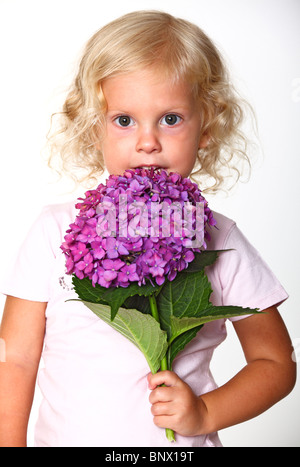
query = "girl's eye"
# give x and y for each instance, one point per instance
(124, 121)
(171, 119)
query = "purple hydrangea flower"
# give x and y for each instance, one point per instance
(139, 226)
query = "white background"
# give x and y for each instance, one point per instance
(40, 45)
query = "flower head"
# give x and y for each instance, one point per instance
(142, 225)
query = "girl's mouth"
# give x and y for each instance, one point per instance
(147, 167)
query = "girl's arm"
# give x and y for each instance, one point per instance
(22, 330)
(269, 376)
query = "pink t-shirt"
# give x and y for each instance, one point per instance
(94, 380)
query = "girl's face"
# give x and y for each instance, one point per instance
(150, 122)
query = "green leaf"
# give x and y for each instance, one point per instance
(184, 306)
(86, 291)
(203, 259)
(181, 325)
(115, 297)
(141, 329)
(187, 295)
(179, 343)
(138, 303)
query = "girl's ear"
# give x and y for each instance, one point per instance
(204, 141)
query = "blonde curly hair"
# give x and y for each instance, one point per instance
(178, 49)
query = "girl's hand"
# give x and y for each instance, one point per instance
(174, 405)
(269, 375)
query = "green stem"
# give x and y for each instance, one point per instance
(155, 314)
(164, 363)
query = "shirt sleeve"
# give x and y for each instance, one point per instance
(29, 276)
(245, 278)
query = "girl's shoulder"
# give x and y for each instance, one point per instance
(56, 218)
(28, 275)
(59, 212)
(221, 232)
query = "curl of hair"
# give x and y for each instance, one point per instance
(177, 49)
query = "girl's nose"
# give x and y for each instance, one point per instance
(148, 141)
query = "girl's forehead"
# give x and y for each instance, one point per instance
(147, 78)
(144, 86)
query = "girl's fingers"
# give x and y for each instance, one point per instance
(161, 394)
(169, 378)
(162, 408)
(163, 421)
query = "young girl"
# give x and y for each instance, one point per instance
(151, 91)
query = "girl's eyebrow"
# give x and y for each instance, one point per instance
(179, 109)
(112, 114)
